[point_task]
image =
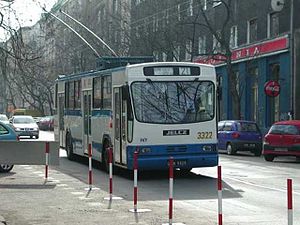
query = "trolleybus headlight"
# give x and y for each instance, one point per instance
(209, 148)
(145, 150)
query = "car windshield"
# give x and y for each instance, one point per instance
(284, 129)
(173, 102)
(23, 120)
(247, 127)
(3, 118)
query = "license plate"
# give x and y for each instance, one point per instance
(281, 149)
(180, 163)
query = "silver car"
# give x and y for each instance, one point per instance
(4, 119)
(25, 126)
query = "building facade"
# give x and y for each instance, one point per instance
(260, 43)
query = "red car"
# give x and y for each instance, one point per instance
(283, 139)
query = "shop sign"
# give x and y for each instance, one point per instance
(272, 88)
(248, 52)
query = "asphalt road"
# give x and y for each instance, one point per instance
(254, 193)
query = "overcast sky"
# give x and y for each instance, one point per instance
(28, 12)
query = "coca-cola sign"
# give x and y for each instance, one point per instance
(272, 88)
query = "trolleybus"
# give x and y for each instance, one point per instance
(160, 109)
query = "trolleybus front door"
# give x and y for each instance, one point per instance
(87, 104)
(60, 116)
(120, 134)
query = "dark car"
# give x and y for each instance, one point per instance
(283, 139)
(7, 133)
(239, 135)
(46, 123)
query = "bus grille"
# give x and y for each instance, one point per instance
(180, 148)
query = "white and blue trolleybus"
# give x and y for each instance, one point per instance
(160, 109)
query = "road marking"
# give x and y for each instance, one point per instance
(261, 186)
(77, 193)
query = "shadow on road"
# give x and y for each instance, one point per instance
(152, 185)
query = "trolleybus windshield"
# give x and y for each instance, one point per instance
(173, 102)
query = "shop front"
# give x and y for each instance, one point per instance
(263, 82)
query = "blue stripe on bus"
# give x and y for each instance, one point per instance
(101, 112)
(97, 146)
(191, 155)
(73, 112)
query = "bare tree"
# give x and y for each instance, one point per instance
(220, 31)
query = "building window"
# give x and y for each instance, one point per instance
(179, 12)
(274, 101)
(204, 4)
(273, 24)
(202, 45)
(190, 10)
(233, 37)
(252, 31)
(176, 54)
(216, 45)
(115, 6)
(188, 50)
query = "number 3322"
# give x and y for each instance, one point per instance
(204, 135)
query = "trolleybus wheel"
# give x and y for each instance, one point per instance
(105, 163)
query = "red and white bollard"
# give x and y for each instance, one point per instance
(90, 166)
(110, 154)
(135, 188)
(47, 159)
(290, 201)
(220, 219)
(171, 180)
(135, 176)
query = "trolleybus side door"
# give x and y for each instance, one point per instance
(87, 109)
(120, 135)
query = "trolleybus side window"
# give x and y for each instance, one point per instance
(77, 94)
(107, 92)
(97, 95)
(71, 95)
(67, 95)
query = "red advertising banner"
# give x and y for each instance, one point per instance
(248, 52)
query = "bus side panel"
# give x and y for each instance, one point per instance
(99, 129)
(73, 124)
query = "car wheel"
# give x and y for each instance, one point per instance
(230, 149)
(69, 148)
(37, 137)
(269, 158)
(5, 168)
(257, 152)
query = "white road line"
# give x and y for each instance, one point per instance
(261, 186)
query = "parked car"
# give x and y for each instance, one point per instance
(3, 118)
(283, 139)
(239, 135)
(25, 126)
(46, 123)
(7, 134)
